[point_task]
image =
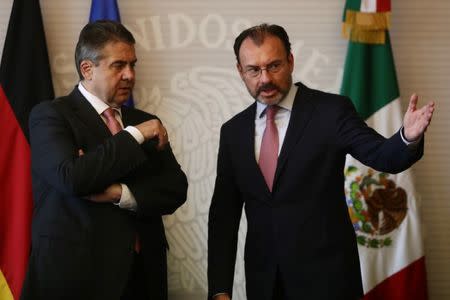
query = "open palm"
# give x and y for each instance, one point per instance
(417, 120)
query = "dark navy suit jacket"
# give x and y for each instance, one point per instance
(301, 231)
(82, 249)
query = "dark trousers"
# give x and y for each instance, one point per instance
(135, 288)
(278, 292)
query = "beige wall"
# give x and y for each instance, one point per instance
(186, 75)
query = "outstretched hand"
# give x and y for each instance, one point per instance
(417, 120)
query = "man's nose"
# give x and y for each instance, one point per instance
(128, 73)
(265, 76)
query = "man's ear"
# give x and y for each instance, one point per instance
(86, 69)
(290, 60)
(239, 68)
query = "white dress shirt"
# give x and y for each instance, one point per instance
(282, 118)
(127, 200)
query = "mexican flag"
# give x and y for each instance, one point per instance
(383, 207)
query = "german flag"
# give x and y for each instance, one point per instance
(25, 80)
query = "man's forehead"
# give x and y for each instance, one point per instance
(119, 50)
(270, 46)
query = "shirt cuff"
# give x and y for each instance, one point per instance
(409, 143)
(127, 200)
(136, 134)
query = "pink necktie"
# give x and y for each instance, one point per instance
(111, 121)
(269, 147)
(114, 127)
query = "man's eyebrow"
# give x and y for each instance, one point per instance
(251, 66)
(256, 66)
(120, 61)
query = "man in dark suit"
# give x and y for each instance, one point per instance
(103, 175)
(283, 158)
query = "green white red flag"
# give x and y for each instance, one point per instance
(383, 207)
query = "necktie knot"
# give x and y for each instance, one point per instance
(111, 121)
(271, 111)
(109, 113)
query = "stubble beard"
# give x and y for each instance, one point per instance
(277, 98)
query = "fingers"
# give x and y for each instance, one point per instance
(416, 119)
(221, 297)
(429, 112)
(161, 134)
(413, 102)
(154, 129)
(149, 129)
(426, 111)
(430, 106)
(163, 138)
(111, 194)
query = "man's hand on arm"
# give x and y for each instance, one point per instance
(221, 297)
(417, 120)
(111, 194)
(153, 128)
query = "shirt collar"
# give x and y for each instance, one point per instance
(286, 103)
(96, 102)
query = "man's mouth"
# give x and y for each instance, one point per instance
(125, 89)
(268, 90)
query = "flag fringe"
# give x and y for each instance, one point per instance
(5, 292)
(367, 37)
(365, 27)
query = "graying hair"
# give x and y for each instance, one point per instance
(94, 37)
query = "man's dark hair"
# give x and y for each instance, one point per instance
(94, 37)
(258, 33)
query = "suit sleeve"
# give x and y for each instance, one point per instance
(390, 155)
(160, 186)
(55, 155)
(223, 225)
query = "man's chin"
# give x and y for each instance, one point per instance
(269, 100)
(119, 101)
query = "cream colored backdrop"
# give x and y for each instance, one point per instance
(186, 75)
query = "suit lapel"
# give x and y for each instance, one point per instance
(301, 113)
(87, 115)
(246, 152)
